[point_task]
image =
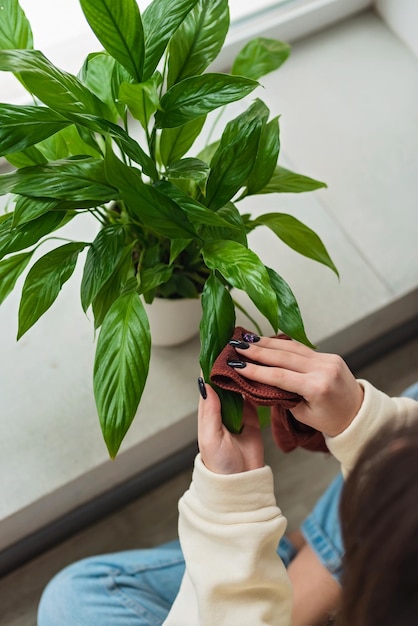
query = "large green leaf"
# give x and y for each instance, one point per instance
(145, 203)
(59, 90)
(26, 235)
(118, 27)
(23, 126)
(121, 367)
(71, 141)
(97, 74)
(103, 257)
(297, 236)
(10, 270)
(198, 95)
(243, 269)
(28, 209)
(26, 158)
(259, 57)
(161, 19)
(112, 288)
(155, 276)
(44, 282)
(142, 99)
(290, 319)
(234, 231)
(216, 329)
(15, 30)
(199, 40)
(285, 181)
(175, 142)
(266, 160)
(76, 180)
(236, 155)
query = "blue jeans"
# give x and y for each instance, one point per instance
(138, 587)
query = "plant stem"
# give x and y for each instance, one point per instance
(252, 320)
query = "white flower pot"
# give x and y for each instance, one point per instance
(173, 322)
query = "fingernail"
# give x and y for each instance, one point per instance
(202, 387)
(237, 364)
(250, 337)
(239, 344)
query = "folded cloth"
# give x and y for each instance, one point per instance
(288, 433)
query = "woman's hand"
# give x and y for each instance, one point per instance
(221, 451)
(332, 396)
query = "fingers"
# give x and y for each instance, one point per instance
(209, 417)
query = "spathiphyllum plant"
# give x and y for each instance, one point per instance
(116, 142)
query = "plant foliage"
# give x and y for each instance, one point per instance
(115, 142)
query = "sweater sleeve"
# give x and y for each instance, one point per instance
(376, 410)
(229, 528)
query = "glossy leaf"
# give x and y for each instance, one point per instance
(67, 180)
(198, 95)
(142, 99)
(259, 57)
(235, 231)
(26, 235)
(161, 20)
(235, 157)
(23, 126)
(112, 288)
(68, 142)
(243, 270)
(285, 181)
(154, 277)
(26, 158)
(102, 259)
(266, 159)
(189, 168)
(10, 270)
(44, 282)
(297, 236)
(15, 29)
(199, 40)
(97, 74)
(216, 328)
(59, 90)
(118, 27)
(28, 209)
(290, 319)
(175, 142)
(121, 367)
(145, 203)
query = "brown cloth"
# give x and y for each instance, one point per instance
(288, 433)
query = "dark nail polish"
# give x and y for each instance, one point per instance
(202, 387)
(237, 364)
(250, 337)
(239, 344)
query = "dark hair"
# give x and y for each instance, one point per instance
(379, 518)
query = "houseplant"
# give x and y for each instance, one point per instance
(116, 142)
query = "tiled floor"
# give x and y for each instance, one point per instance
(301, 476)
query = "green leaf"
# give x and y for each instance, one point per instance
(26, 158)
(198, 95)
(285, 181)
(243, 270)
(67, 180)
(102, 259)
(290, 319)
(259, 57)
(28, 209)
(189, 168)
(97, 74)
(235, 231)
(216, 329)
(68, 142)
(10, 270)
(175, 142)
(59, 90)
(199, 40)
(118, 27)
(26, 235)
(234, 159)
(112, 288)
(44, 282)
(154, 277)
(196, 212)
(15, 30)
(177, 246)
(142, 99)
(266, 159)
(23, 126)
(161, 20)
(297, 236)
(121, 367)
(145, 203)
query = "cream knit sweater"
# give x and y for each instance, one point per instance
(230, 526)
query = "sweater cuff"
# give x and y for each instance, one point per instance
(243, 492)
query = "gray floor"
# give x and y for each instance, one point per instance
(301, 476)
